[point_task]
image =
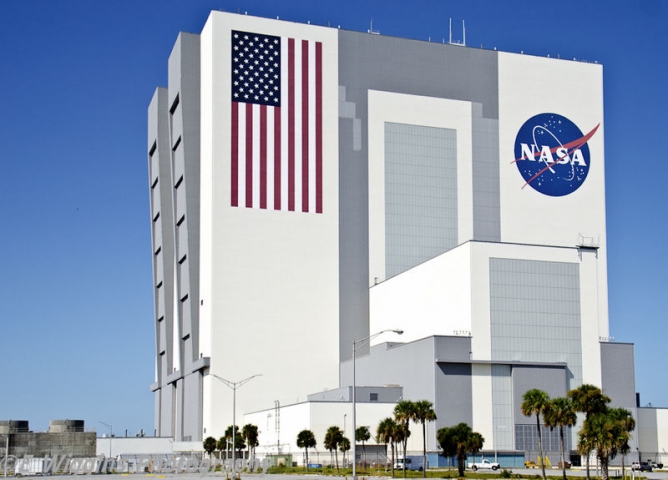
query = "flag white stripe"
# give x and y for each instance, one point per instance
(256, 155)
(270, 157)
(311, 127)
(298, 125)
(285, 99)
(241, 160)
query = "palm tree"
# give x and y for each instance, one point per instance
(221, 445)
(588, 399)
(628, 425)
(403, 413)
(306, 440)
(344, 446)
(534, 401)
(250, 434)
(606, 433)
(209, 445)
(238, 443)
(385, 433)
(423, 411)
(560, 413)
(401, 434)
(458, 441)
(362, 434)
(476, 442)
(332, 440)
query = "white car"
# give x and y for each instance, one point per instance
(484, 464)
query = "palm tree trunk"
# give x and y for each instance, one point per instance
(604, 468)
(563, 452)
(623, 474)
(540, 447)
(336, 456)
(392, 448)
(587, 465)
(306, 458)
(424, 450)
(405, 443)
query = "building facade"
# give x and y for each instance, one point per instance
(311, 186)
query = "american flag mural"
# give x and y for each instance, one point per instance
(276, 137)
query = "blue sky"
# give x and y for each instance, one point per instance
(76, 304)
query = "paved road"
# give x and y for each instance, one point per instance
(659, 475)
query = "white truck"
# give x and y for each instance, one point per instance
(413, 462)
(484, 464)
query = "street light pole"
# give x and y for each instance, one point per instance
(6, 452)
(234, 386)
(111, 435)
(357, 344)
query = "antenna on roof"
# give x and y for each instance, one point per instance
(371, 28)
(463, 42)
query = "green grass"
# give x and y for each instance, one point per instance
(363, 473)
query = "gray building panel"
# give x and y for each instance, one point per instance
(436, 369)
(364, 394)
(420, 194)
(353, 243)
(192, 407)
(551, 380)
(394, 364)
(390, 64)
(502, 407)
(618, 374)
(454, 394)
(535, 313)
(452, 349)
(486, 195)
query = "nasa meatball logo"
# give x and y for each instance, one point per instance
(552, 154)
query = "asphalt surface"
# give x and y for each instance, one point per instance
(614, 473)
(656, 475)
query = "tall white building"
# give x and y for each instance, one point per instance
(311, 186)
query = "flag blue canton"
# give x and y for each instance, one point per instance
(256, 68)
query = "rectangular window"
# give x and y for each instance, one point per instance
(373, 397)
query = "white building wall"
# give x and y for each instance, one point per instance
(481, 390)
(317, 417)
(652, 434)
(529, 86)
(426, 300)
(269, 278)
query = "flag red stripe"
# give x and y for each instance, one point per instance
(277, 158)
(291, 124)
(249, 155)
(263, 156)
(305, 125)
(235, 155)
(318, 127)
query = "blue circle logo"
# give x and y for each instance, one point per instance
(552, 154)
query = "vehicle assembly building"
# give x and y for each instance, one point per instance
(311, 186)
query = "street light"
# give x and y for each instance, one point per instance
(111, 435)
(357, 344)
(234, 386)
